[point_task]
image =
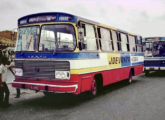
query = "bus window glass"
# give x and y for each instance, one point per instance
(89, 41)
(139, 48)
(57, 38)
(47, 40)
(159, 48)
(27, 38)
(148, 49)
(139, 44)
(149, 46)
(90, 38)
(139, 40)
(114, 37)
(64, 40)
(123, 42)
(132, 43)
(106, 42)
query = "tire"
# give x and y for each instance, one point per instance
(94, 88)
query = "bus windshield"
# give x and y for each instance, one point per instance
(159, 48)
(148, 51)
(27, 38)
(57, 38)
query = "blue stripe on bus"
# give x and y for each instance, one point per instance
(138, 63)
(154, 58)
(137, 54)
(152, 65)
(57, 55)
(125, 60)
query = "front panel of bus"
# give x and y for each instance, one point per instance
(43, 51)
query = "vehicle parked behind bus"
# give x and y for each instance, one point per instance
(63, 53)
(154, 54)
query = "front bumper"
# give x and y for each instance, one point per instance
(47, 87)
(154, 68)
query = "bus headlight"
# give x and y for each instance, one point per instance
(18, 71)
(62, 75)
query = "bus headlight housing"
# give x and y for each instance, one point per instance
(62, 75)
(18, 71)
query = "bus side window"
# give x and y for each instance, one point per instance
(124, 42)
(114, 37)
(89, 41)
(132, 43)
(105, 39)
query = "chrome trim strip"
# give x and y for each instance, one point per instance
(76, 86)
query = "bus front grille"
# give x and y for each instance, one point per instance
(42, 69)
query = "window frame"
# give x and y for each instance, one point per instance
(116, 41)
(126, 42)
(130, 42)
(37, 43)
(80, 22)
(55, 50)
(99, 38)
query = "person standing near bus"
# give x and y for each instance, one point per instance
(5, 89)
(11, 66)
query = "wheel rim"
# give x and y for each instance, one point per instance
(94, 87)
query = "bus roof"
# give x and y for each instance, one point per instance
(59, 17)
(51, 17)
(154, 38)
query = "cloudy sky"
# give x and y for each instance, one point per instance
(144, 17)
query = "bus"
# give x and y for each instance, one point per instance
(154, 56)
(63, 53)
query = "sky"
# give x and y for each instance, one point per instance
(142, 17)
